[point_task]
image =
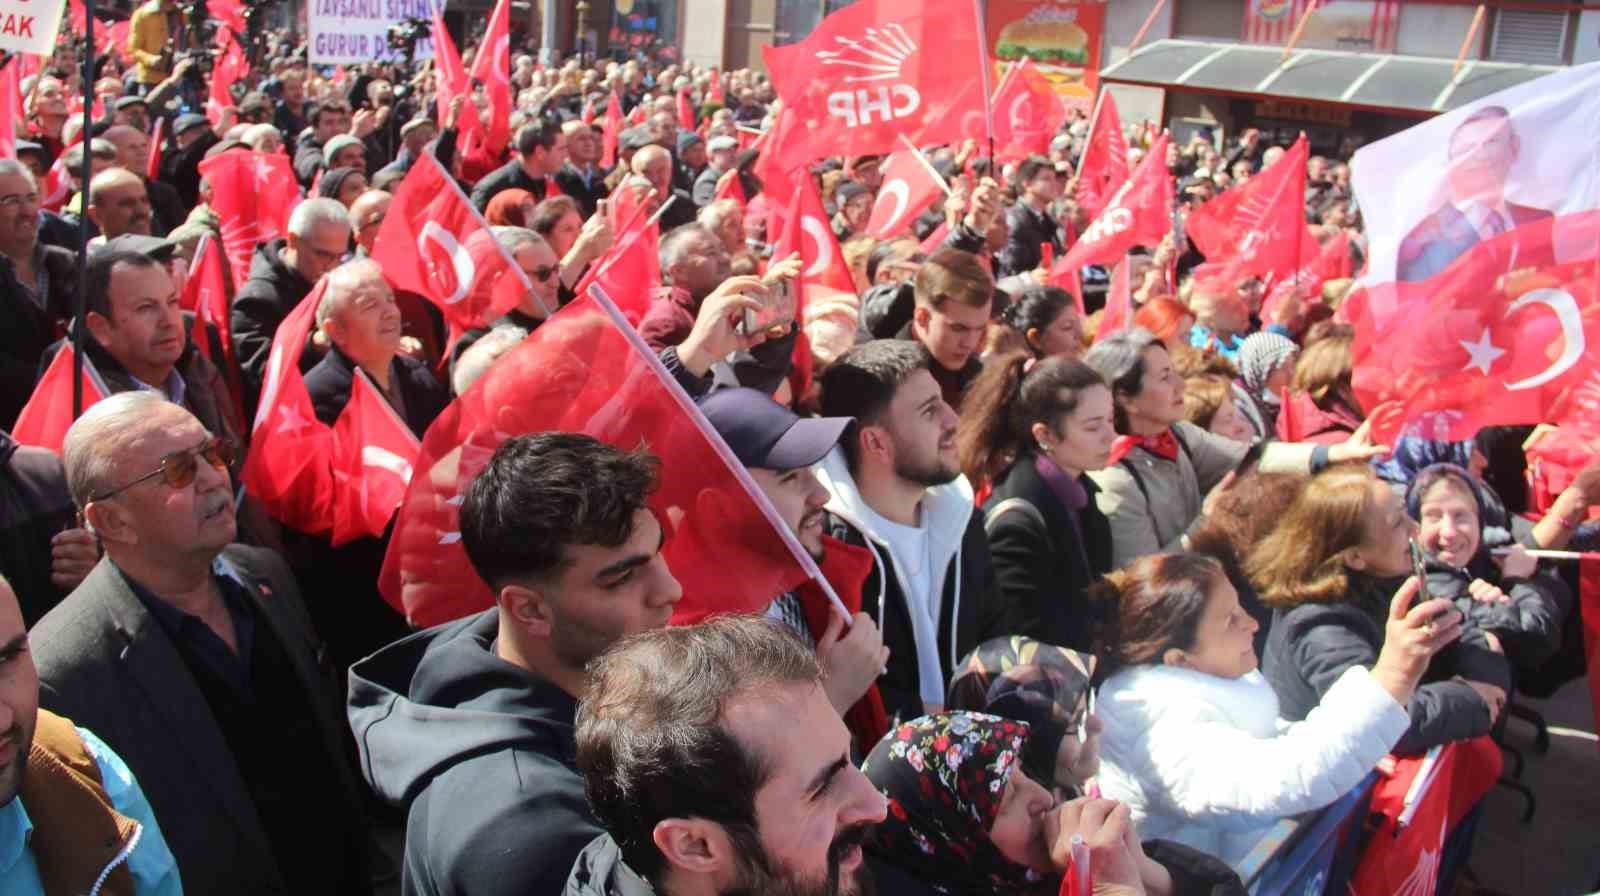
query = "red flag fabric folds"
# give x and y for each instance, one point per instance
(1027, 112)
(206, 294)
(433, 242)
(1119, 301)
(1260, 228)
(630, 271)
(1104, 166)
(373, 455)
(287, 467)
(46, 417)
(909, 188)
(1498, 338)
(729, 186)
(1138, 215)
(492, 68)
(824, 275)
(230, 66)
(878, 69)
(253, 194)
(686, 117)
(586, 370)
(610, 131)
(10, 107)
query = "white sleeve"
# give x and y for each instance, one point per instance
(1213, 771)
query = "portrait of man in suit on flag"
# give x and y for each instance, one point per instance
(1481, 152)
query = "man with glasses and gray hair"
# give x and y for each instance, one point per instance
(37, 287)
(191, 656)
(282, 272)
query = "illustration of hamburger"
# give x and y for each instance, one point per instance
(1046, 36)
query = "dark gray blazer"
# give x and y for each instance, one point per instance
(108, 665)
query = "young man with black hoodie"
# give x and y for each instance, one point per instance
(470, 724)
(895, 487)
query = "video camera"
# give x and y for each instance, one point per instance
(404, 35)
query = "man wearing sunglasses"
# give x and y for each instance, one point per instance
(537, 260)
(363, 324)
(191, 656)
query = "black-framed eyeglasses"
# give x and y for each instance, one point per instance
(543, 272)
(179, 468)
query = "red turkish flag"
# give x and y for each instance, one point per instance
(1138, 215)
(1104, 166)
(373, 455)
(434, 243)
(778, 168)
(46, 417)
(252, 196)
(492, 68)
(610, 131)
(879, 69)
(1475, 346)
(1418, 800)
(824, 274)
(1027, 112)
(638, 115)
(686, 117)
(1119, 301)
(288, 465)
(586, 370)
(10, 107)
(630, 271)
(206, 294)
(910, 186)
(1259, 228)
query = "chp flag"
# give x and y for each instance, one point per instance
(878, 69)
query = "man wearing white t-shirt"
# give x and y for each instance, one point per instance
(895, 487)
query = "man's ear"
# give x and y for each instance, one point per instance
(100, 327)
(108, 522)
(920, 315)
(874, 441)
(530, 607)
(1172, 656)
(694, 846)
(1354, 559)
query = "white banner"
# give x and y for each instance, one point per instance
(29, 26)
(350, 32)
(1433, 191)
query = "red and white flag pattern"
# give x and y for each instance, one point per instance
(909, 187)
(46, 417)
(253, 195)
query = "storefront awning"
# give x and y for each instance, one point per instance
(1417, 84)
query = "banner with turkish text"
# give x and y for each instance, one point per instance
(353, 32)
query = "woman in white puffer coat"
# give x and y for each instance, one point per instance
(1193, 742)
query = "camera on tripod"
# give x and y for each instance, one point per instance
(404, 35)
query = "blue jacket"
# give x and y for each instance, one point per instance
(155, 872)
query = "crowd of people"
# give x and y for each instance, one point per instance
(1119, 602)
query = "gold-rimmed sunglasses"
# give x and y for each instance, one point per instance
(179, 468)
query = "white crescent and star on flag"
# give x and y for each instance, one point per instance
(1482, 353)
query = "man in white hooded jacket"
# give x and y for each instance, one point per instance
(895, 487)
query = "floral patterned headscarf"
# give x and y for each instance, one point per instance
(944, 776)
(1021, 678)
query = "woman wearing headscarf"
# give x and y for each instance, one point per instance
(510, 208)
(1163, 469)
(342, 184)
(1266, 364)
(1046, 686)
(1520, 609)
(1193, 741)
(1034, 429)
(1330, 570)
(964, 819)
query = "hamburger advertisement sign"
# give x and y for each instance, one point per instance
(1062, 39)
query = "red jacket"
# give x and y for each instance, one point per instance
(1301, 419)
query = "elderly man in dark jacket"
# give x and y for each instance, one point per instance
(192, 657)
(282, 272)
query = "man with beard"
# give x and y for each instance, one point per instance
(686, 742)
(191, 656)
(778, 447)
(68, 804)
(895, 488)
(470, 724)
